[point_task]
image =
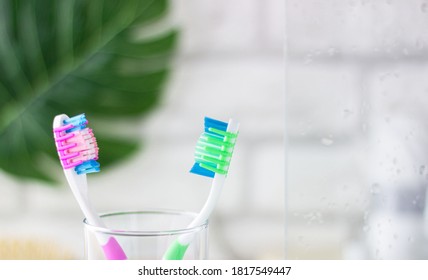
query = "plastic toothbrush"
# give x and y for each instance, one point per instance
(78, 151)
(213, 154)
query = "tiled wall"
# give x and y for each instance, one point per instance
(230, 64)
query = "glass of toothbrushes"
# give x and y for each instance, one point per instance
(147, 234)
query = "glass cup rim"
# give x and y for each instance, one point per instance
(146, 232)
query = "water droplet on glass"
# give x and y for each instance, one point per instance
(422, 169)
(366, 215)
(347, 113)
(405, 51)
(410, 239)
(327, 141)
(387, 119)
(332, 51)
(424, 7)
(420, 44)
(375, 189)
(308, 59)
(347, 207)
(395, 236)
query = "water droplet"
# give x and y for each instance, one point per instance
(308, 59)
(422, 169)
(410, 239)
(375, 189)
(424, 7)
(347, 113)
(395, 236)
(420, 44)
(327, 141)
(347, 207)
(394, 161)
(405, 51)
(366, 215)
(332, 51)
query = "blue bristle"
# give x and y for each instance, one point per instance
(89, 166)
(212, 123)
(196, 169)
(79, 122)
(209, 123)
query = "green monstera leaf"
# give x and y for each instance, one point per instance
(72, 57)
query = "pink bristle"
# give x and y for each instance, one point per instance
(63, 128)
(75, 147)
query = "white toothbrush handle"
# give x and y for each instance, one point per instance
(207, 209)
(78, 184)
(79, 187)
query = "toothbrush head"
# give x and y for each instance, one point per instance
(76, 144)
(214, 149)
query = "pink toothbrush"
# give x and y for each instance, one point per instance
(78, 151)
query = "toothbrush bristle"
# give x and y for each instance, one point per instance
(76, 145)
(214, 149)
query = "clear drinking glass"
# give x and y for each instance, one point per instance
(146, 234)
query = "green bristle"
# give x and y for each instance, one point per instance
(214, 151)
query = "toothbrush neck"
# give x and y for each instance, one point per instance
(204, 214)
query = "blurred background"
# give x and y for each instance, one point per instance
(227, 62)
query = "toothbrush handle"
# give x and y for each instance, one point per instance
(78, 184)
(113, 250)
(175, 251)
(178, 248)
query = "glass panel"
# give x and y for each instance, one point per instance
(356, 99)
